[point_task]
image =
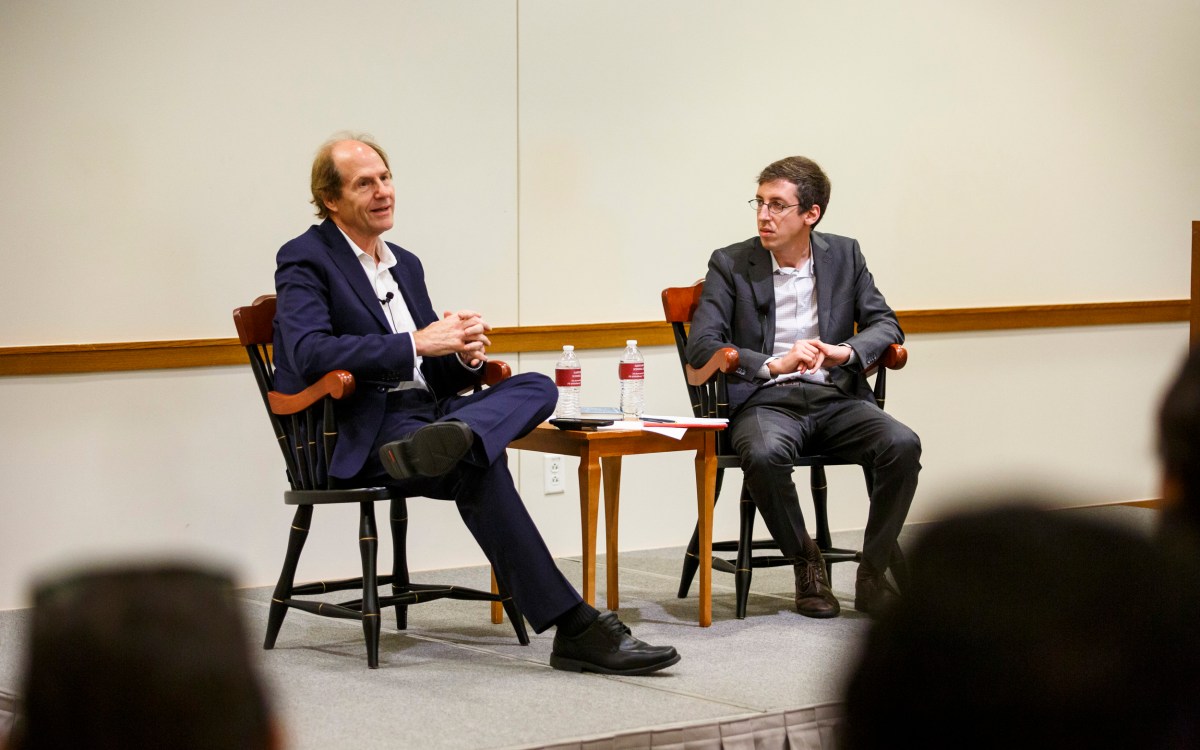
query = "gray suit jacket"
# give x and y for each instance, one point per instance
(737, 309)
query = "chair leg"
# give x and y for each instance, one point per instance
(691, 558)
(368, 545)
(506, 604)
(820, 494)
(287, 577)
(510, 608)
(691, 563)
(517, 620)
(744, 570)
(398, 515)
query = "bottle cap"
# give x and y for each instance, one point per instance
(568, 348)
(631, 342)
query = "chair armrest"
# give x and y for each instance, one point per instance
(337, 385)
(895, 357)
(494, 371)
(723, 360)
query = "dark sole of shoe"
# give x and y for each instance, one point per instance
(574, 665)
(431, 451)
(822, 615)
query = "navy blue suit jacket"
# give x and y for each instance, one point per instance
(328, 317)
(737, 308)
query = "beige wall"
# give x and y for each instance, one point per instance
(984, 153)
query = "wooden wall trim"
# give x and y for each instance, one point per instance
(1043, 316)
(1152, 504)
(157, 355)
(133, 355)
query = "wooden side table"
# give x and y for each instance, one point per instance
(600, 455)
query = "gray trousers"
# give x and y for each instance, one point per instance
(781, 422)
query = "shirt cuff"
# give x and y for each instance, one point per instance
(853, 355)
(468, 367)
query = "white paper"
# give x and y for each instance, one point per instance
(666, 429)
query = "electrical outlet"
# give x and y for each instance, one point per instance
(554, 475)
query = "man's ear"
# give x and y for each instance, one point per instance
(331, 206)
(812, 215)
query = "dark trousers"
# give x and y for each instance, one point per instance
(781, 422)
(482, 487)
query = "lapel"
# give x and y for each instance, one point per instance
(407, 289)
(821, 270)
(763, 289)
(346, 261)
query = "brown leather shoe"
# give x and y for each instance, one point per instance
(872, 591)
(814, 597)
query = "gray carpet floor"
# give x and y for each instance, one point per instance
(454, 680)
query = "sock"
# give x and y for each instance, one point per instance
(576, 619)
(812, 550)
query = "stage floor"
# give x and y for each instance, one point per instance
(454, 680)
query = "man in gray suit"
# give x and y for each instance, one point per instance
(803, 312)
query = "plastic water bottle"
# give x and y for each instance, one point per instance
(632, 371)
(568, 377)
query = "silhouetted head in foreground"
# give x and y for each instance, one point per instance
(140, 657)
(1179, 450)
(1028, 628)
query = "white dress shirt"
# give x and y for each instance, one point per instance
(795, 317)
(394, 309)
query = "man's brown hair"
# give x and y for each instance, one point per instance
(812, 185)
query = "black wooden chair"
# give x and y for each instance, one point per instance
(307, 431)
(708, 391)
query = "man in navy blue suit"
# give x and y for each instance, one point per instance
(347, 300)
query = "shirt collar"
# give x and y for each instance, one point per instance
(387, 259)
(804, 270)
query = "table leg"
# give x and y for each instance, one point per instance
(589, 512)
(610, 467)
(706, 483)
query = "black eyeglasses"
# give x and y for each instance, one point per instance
(774, 207)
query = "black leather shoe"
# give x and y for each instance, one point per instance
(608, 647)
(872, 591)
(814, 595)
(431, 451)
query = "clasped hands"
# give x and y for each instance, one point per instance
(463, 333)
(809, 355)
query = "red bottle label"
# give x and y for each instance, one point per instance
(568, 377)
(632, 370)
